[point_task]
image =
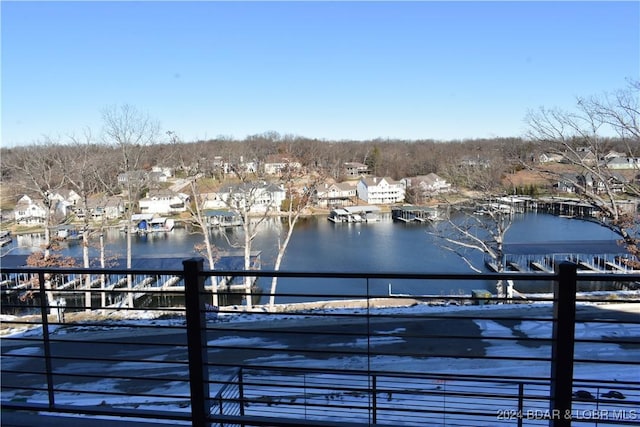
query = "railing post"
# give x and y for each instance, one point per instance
(562, 347)
(520, 403)
(46, 342)
(196, 340)
(241, 390)
(374, 399)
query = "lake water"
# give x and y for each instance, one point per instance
(321, 245)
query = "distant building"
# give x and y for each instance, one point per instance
(566, 183)
(257, 197)
(29, 212)
(426, 185)
(63, 201)
(623, 162)
(550, 158)
(101, 208)
(374, 190)
(275, 165)
(133, 177)
(339, 194)
(166, 171)
(164, 202)
(355, 170)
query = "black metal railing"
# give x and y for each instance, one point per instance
(355, 357)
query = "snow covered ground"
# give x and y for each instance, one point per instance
(449, 391)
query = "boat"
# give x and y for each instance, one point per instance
(148, 223)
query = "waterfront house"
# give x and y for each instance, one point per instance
(378, 191)
(256, 197)
(566, 183)
(101, 207)
(68, 197)
(164, 202)
(592, 183)
(426, 185)
(63, 201)
(355, 170)
(113, 207)
(212, 201)
(337, 194)
(29, 212)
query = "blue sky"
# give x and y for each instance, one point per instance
(332, 70)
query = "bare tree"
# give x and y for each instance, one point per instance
(299, 198)
(479, 224)
(578, 137)
(199, 222)
(37, 173)
(132, 132)
(244, 199)
(81, 161)
(481, 227)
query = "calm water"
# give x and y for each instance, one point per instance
(320, 245)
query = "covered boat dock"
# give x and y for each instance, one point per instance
(411, 213)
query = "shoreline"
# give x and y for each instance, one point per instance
(300, 312)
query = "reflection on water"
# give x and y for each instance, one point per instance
(321, 245)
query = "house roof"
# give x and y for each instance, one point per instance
(355, 165)
(374, 181)
(162, 193)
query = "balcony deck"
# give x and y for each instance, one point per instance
(355, 360)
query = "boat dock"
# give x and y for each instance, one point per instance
(352, 214)
(113, 287)
(410, 213)
(222, 218)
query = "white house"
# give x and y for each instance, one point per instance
(70, 197)
(427, 185)
(163, 202)
(212, 201)
(29, 212)
(624, 162)
(258, 198)
(550, 158)
(166, 171)
(64, 201)
(133, 176)
(380, 190)
(275, 165)
(339, 194)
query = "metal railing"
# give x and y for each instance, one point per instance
(355, 357)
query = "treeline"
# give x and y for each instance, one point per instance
(473, 164)
(385, 157)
